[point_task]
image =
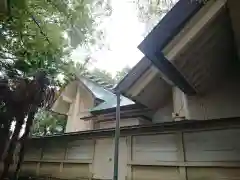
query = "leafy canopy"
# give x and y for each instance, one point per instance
(47, 123)
(42, 33)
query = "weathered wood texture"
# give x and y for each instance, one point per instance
(205, 155)
(210, 154)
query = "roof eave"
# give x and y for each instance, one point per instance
(113, 109)
(162, 34)
(135, 73)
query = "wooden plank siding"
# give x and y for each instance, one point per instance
(213, 146)
(59, 159)
(155, 148)
(206, 155)
(209, 154)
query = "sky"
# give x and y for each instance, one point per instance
(123, 34)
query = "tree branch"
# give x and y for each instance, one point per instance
(41, 31)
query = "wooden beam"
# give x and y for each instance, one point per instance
(162, 34)
(193, 28)
(59, 161)
(181, 155)
(129, 156)
(185, 164)
(124, 114)
(136, 72)
(143, 81)
(171, 72)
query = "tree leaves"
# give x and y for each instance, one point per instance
(42, 33)
(47, 123)
(151, 11)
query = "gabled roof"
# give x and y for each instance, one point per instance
(186, 45)
(163, 33)
(107, 95)
(157, 39)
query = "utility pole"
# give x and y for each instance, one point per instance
(117, 134)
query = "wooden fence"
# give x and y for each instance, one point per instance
(184, 154)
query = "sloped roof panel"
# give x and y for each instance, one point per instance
(109, 98)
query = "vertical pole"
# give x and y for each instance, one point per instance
(117, 134)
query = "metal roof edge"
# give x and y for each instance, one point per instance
(163, 33)
(123, 108)
(135, 73)
(170, 25)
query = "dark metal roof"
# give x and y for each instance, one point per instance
(163, 33)
(108, 97)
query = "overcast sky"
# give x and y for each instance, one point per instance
(124, 34)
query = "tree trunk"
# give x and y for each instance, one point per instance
(45, 130)
(4, 137)
(8, 159)
(23, 142)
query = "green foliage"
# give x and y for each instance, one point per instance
(36, 39)
(42, 33)
(103, 75)
(107, 77)
(121, 74)
(48, 123)
(151, 11)
(151, 8)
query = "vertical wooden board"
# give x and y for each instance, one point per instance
(195, 173)
(216, 145)
(123, 159)
(104, 160)
(155, 173)
(28, 168)
(49, 169)
(155, 148)
(129, 157)
(80, 150)
(75, 171)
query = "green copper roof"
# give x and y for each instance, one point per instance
(109, 98)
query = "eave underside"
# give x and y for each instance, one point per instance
(201, 54)
(208, 56)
